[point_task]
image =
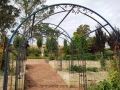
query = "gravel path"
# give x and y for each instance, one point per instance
(40, 76)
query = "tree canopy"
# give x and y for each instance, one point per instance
(8, 15)
(82, 29)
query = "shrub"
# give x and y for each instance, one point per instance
(66, 57)
(87, 56)
(76, 68)
(52, 58)
(36, 54)
(108, 53)
(46, 53)
(102, 62)
(94, 69)
(34, 51)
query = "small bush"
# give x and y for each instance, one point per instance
(66, 57)
(46, 53)
(36, 54)
(76, 68)
(94, 69)
(52, 58)
(87, 56)
(102, 62)
(34, 51)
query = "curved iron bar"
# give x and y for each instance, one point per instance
(58, 5)
(65, 17)
(5, 71)
(45, 18)
(81, 12)
(98, 22)
(69, 10)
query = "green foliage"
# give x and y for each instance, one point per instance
(113, 38)
(66, 48)
(100, 39)
(82, 30)
(33, 51)
(86, 56)
(39, 42)
(94, 69)
(51, 44)
(102, 85)
(18, 41)
(48, 44)
(29, 6)
(46, 52)
(65, 43)
(66, 57)
(113, 83)
(81, 69)
(8, 14)
(47, 30)
(76, 68)
(108, 53)
(52, 58)
(114, 73)
(36, 54)
(80, 43)
(102, 62)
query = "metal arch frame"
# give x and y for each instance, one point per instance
(58, 5)
(6, 58)
(69, 10)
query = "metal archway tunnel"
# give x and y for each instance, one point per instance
(36, 28)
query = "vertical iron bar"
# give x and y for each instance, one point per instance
(6, 70)
(17, 70)
(72, 62)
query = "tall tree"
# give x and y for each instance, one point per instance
(80, 38)
(82, 30)
(66, 47)
(29, 6)
(100, 39)
(39, 42)
(80, 43)
(113, 39)
(8, 14)
(51, 44)
(65, 43)
(48, 44)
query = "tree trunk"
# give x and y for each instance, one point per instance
(3, 48)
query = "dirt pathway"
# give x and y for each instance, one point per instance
(40, 76)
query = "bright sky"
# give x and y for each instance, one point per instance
(109, 9)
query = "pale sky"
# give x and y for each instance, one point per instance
(109, 9)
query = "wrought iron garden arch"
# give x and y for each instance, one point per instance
(63, 6)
